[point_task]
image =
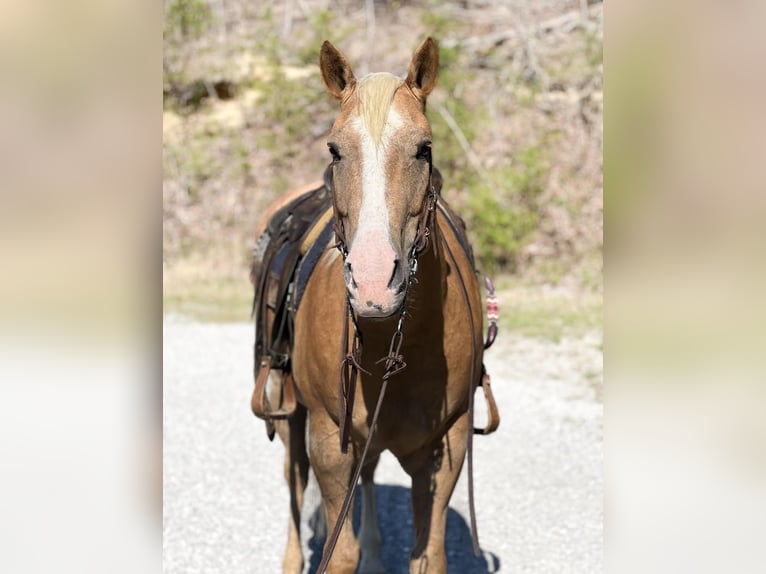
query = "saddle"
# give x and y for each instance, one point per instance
(283, 258)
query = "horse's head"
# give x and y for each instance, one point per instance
(380, 173)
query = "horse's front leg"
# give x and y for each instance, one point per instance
(370, 540)
(434, 471)
(333, 470)
(296, 467)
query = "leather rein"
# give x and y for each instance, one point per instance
(394, 363)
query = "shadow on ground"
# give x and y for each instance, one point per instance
(395, 519)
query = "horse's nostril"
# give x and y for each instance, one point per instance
(393, 274)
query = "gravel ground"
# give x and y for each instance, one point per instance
(538, 479)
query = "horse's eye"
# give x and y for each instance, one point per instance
(424, 151)
(334, 152)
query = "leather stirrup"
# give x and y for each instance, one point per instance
(259, 401)
(493, 416)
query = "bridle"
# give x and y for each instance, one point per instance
(425, 223)
(394, 361)
(351, 358)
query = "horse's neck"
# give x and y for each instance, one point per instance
(428, 292)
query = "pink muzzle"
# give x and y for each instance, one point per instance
(373, 277)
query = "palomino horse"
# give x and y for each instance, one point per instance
(403, 284)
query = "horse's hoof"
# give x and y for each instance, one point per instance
(371, 566)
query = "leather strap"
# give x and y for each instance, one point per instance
(349, 371)
(395, 363)
(471, 392)
(493, 313)
(391, 368)
(493, 416)
(259, 402)
(316, 230)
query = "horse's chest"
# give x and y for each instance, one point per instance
(411, 415)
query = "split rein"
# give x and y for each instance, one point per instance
(350, 367)
(394, 363)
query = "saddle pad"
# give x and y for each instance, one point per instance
(309, 261)
(276, 269)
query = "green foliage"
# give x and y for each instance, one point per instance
(502, 207)
(186, 19)
(504, 210)
(594, 53)
(290, 100)
(193, 163)
(324, 24)
(185, 22)
(290, 106)
(242, 152)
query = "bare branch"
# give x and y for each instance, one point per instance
(565, 23)
(473, 159)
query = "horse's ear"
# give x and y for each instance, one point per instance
(424, 68)
(336, 72)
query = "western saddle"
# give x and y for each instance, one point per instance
(285, 254)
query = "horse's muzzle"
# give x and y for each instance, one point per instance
(376, 282)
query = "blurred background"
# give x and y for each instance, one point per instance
(517, 131)
(81, 169)
(685, 197)
(516, 115)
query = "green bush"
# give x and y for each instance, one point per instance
(186, 20)
(504, 210)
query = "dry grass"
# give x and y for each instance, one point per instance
(517, 76)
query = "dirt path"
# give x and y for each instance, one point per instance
(539, 478)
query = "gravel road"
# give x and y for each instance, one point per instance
(539, 478)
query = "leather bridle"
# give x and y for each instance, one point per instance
(350, 358)
(394, 361)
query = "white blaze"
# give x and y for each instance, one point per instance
(373, 225)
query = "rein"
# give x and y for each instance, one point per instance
(471, 392)
(350, 359)
(394, 363)
(350, 367)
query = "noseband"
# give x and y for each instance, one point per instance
(425, 223)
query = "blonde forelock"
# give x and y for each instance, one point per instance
(375, 93)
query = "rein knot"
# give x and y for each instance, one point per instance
(394, 364)
(350, 360)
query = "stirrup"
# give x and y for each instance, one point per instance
(493, 415)
(259, 402)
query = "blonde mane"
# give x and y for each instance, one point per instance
(375, 93)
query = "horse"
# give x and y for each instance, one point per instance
(398, 301)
